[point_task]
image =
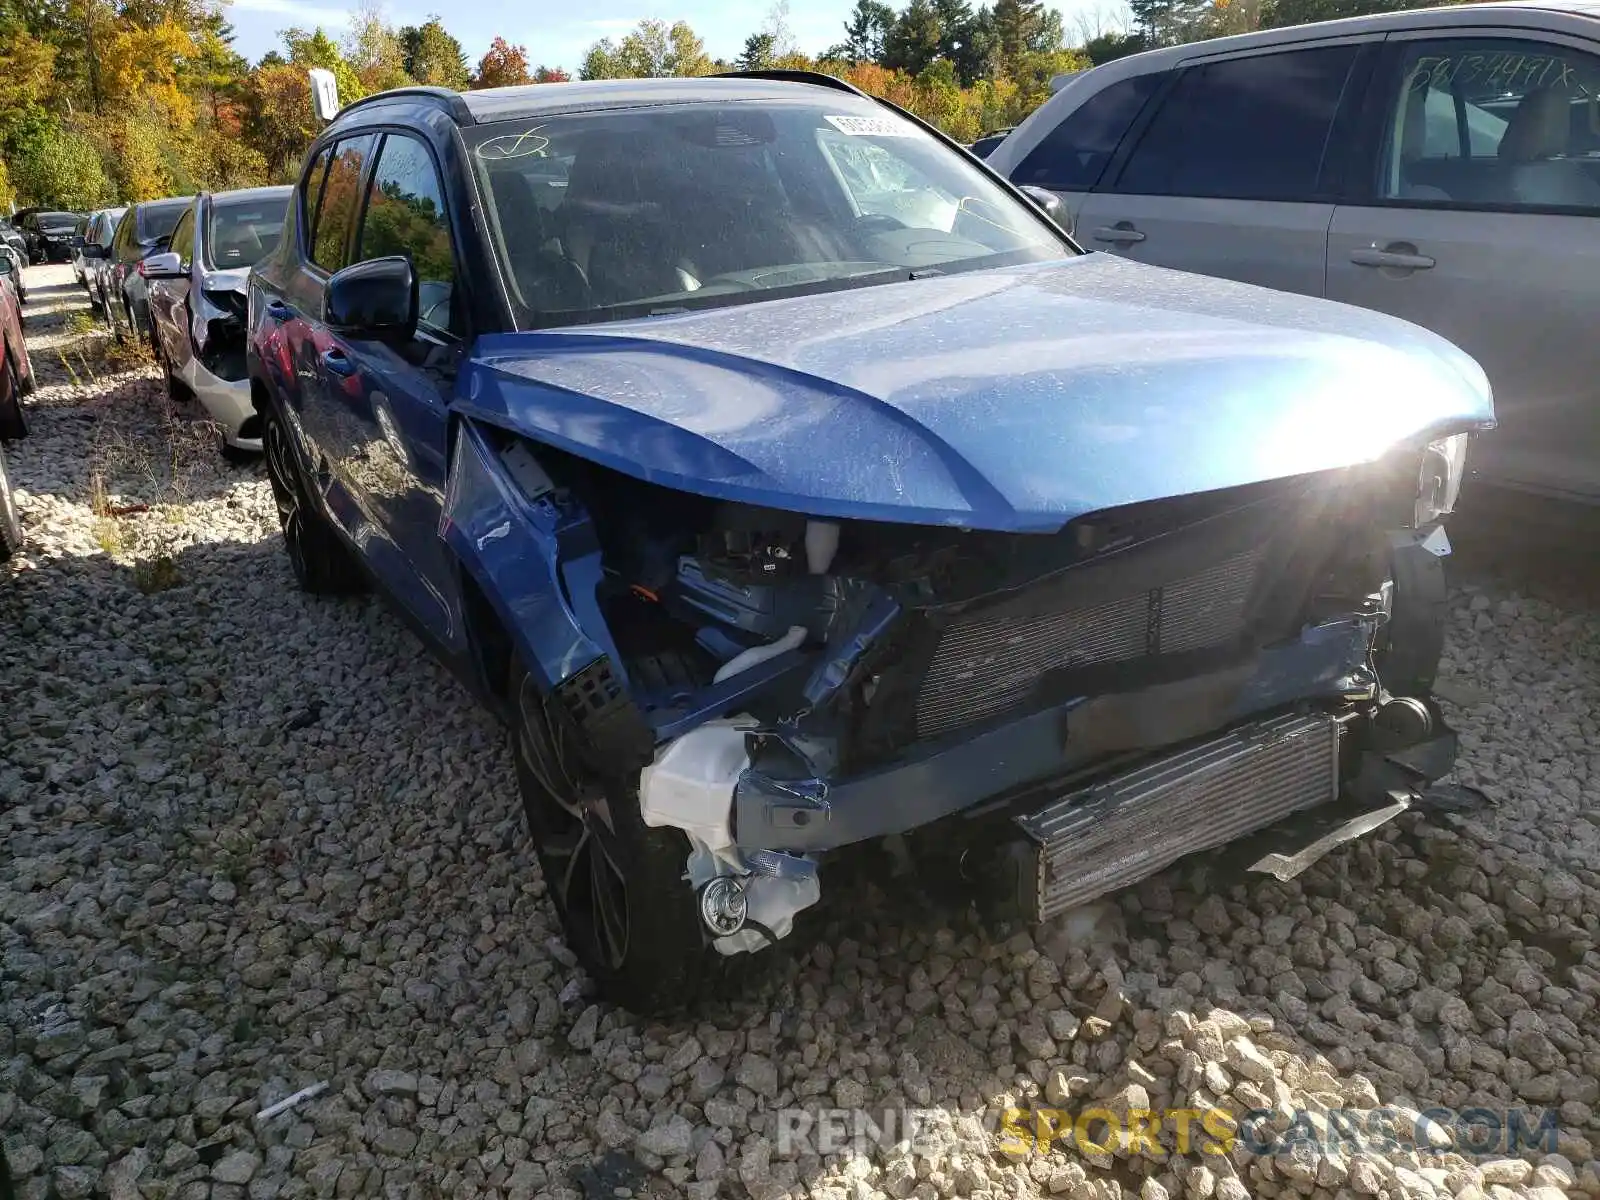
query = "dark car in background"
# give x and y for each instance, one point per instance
(145, 229)
(787, 481)
(50, 235)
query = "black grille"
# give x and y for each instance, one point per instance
(986, 664)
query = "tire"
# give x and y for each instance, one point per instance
(236, 456)
(10, 521)
(323, 565)
(13, 421)
(617, 885)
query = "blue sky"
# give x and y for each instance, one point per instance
(560, 34)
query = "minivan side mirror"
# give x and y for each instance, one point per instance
(374, 299)
(93, 250)
(164, 265)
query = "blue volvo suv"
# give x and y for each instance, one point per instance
(787, 481)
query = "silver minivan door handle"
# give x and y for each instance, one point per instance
(1404, 257)
(1123, 234)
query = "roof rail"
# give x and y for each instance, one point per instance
(782, 75)
(449, 100)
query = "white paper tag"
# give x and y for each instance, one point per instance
(871, 126)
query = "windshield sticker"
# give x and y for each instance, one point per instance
(871, 126)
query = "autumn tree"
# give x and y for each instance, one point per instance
(502, 65)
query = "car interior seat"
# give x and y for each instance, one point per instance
(1534, 146)
(618, 224)
(547, 280)
(1413, 141)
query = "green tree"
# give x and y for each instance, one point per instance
(62, 169)
(373, 50)
(758, 53)
(1107, 47)
(864, 33)
(652, 49)
(914, 40)
(432, 56)
(317, 49)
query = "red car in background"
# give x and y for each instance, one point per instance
(16, 381)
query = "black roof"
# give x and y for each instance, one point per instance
(536, 99)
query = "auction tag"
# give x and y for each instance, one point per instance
(871, 126)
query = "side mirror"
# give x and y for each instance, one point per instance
(93, 250)
(164, 265)
(374, 299)
(1048, 202)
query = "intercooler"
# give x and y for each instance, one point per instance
(985, 664)
(1126, 828)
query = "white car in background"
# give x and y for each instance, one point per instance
(1441, 165)
(197, 304)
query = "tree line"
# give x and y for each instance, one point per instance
(105, 101)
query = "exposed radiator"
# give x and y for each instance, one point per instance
(1129, 827)
(985, 665)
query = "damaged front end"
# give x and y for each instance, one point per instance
(1056, 715)
(218, 329)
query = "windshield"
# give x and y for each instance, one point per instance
(160, 219)
(240, 234)
(56, 220)
(623, 213)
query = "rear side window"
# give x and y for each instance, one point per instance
(1245, 129)
(1074, 154)
(341, 192)
(311, 193)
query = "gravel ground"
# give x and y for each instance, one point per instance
(255, 842)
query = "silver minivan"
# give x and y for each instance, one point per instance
(1442, 165)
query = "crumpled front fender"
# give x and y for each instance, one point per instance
(533, 555)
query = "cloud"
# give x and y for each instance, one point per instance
(299, 10)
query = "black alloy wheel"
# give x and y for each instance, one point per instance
(618, 886)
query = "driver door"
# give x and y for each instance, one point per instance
(394, 396)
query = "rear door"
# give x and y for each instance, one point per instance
(393, 397)
(323, 413)
(1477, 215)
(1228, 175)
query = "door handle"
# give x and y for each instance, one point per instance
(338, 362)
(1406, 258)
(279, 311)
(1123, 234)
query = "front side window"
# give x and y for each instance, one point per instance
(1245, 128)
(240, 233)
(341, 191)
(405, 216)
(182, 243)
(158, 220)
(1073, 155)
(604, 215)
(1493, 123)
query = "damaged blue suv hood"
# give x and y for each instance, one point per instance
(1012, 399)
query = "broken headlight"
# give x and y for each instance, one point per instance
(1444, 462)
